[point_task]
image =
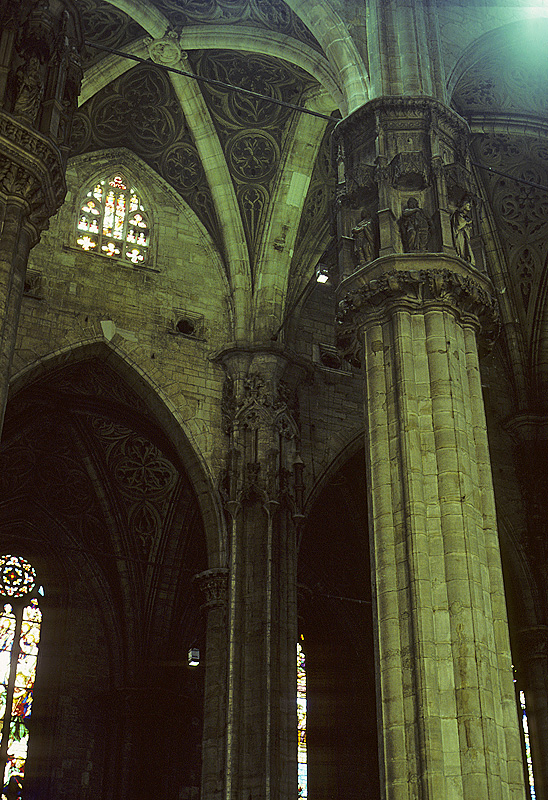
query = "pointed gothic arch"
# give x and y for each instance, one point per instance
(86, 453)
(170, 420)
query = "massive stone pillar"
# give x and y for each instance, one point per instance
(214, 585)
(262, 494)
(39, 84)
(412, 307)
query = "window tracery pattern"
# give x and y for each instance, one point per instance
(112, 222)
(20, 619)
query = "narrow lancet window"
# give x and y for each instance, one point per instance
(20, 619)
(527, 743)
(112, 221)
(302, 772)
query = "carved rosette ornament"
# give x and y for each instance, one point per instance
(467, 297)
(167, 51)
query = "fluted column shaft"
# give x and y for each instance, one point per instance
(214, 585)
(447, 704)
(261, 491)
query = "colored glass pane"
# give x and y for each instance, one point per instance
(86, 243)
(24, 684)
(302, 774)
(17, 577)
(108, 219)
(114, 222)
(7, 632)
(120, 216)
(110, 249)
(135, 256)
(527, 743)
(19, 639)
(117, 182)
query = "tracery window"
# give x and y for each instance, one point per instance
(20, 619)
(112, 221)
(302, 775)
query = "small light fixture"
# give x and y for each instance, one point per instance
(193, 657)
(322, 274)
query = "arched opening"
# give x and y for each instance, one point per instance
(96, 496)
(335, 618)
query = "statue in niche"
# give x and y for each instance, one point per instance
(414, 227)
(363, 236)
(461, 228)
(30, 88)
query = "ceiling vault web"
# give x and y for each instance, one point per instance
(213, 82)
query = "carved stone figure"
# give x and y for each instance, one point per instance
(414, 227)
(363, 235)
(461, 227)
(30, 88)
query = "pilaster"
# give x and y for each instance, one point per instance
(213, 584)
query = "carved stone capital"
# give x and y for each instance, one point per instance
(213, 583)
(416, 282)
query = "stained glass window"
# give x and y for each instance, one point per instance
(302, 773)
(20, 619)
(112, 221)
(527, 743)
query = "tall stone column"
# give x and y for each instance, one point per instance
(411, 308)
(214, 585)
(262, 480)
(39, 83)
